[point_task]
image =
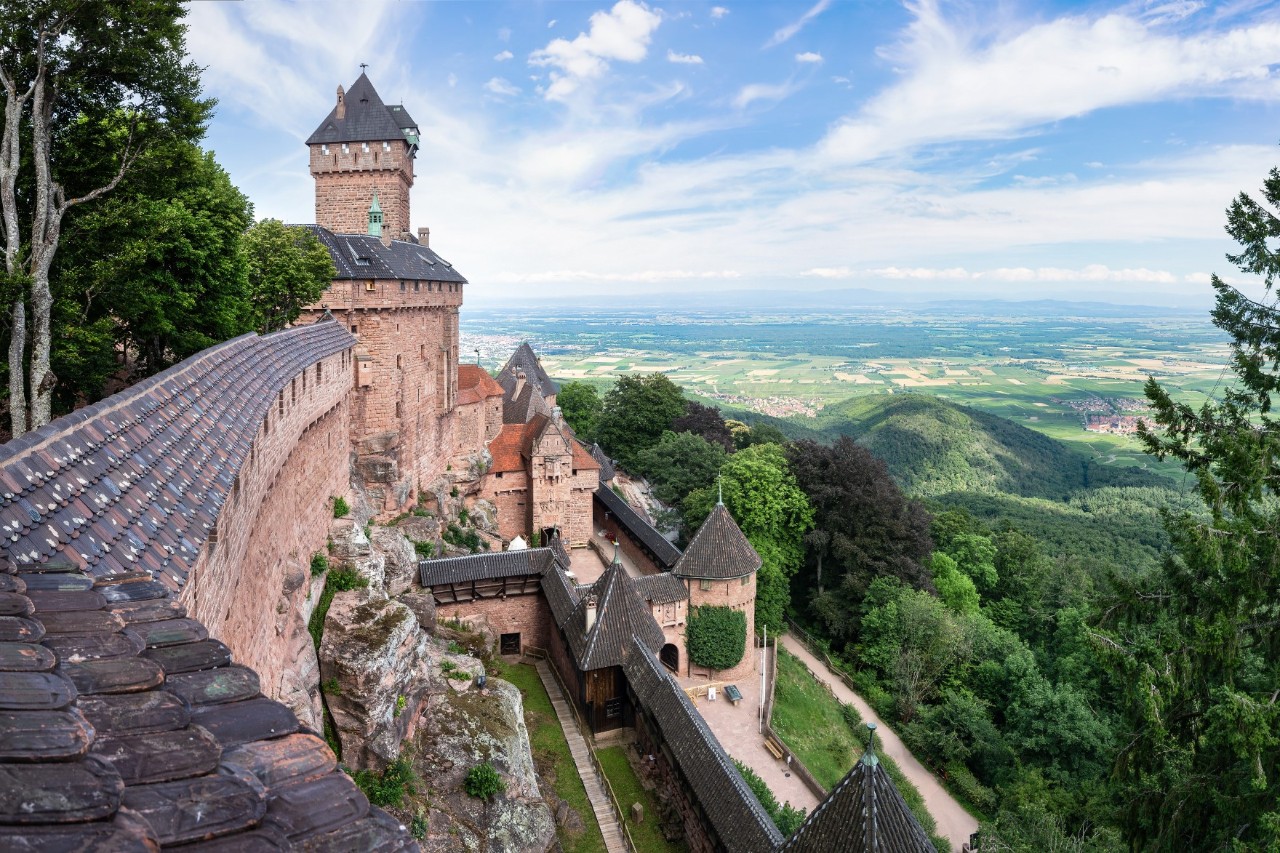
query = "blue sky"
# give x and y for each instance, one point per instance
(1014, 149)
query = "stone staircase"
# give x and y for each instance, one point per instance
(613, 838)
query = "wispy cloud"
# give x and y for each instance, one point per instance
(718, 12)
(753, 92)
(809, 56)
(501, 86)
(786, 33)
(683, 58)
(503, 56)
(623, 34)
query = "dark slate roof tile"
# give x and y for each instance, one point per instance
(260, 839)
(499, 564)
(525, 361)
(44, 735)
(122, 675)
(26, 657)
(365, 118)
(283, 761)
(35, 691)
(53, 582)
(125, 832)
(67, 792)
(153, 610)
(159, 756)
(215, 686)
(48, 601)
(621, 620)
(662, 588)
(191, 658)
(15, 604)
(16, 629)
(379, 831)
(718, 550)
(136, 591)
(237, 723)
(170, 632)
(12, 583)
(81, 622)
(317, 806)
(77, 648)
(666, 553)
(200, 808)
(136, 713)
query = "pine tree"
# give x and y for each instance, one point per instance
(1199, 641)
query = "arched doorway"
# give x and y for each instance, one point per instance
(670, 657)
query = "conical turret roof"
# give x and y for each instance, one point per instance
(621, 618)
(365, 118)
(719, 550)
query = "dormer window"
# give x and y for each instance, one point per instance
(346, 149)
(364, 147)
(386, 146)
(324, 149)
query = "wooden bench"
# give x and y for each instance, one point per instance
(773, 747)
(732, 693)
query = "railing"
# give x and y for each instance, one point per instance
(591, 751)
(806, 639)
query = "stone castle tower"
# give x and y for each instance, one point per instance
(397, 296)
(362, 154)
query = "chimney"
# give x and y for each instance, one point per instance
(591, 613)
(342, 106)
(424, 237)
(519, 383)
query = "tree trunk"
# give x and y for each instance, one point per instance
(42, 379)
(45, 226)
(17, 374)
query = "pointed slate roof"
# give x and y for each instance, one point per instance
(361, 256)
(366, 119)
(621, 617)
(662, 588)
(864, 813)
(607, 471)
(524, 359)
(718, 550)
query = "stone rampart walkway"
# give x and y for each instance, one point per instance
(582, 759)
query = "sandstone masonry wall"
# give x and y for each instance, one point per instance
(346, 176)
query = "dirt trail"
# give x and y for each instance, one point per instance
(954, 822)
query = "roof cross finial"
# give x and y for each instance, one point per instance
(363, 66)
(869, 756)
(719, 491)
(617, 560)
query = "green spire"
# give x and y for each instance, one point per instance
(375, 217)
(617, 560)
(869, 756)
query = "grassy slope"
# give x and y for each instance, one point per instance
(550, 749)
(627, 788)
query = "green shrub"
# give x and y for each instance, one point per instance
(401, 702)
(786, 817)
(483, 782)
(971, 791)
(468, 538)
(389, 787)
(453, 493)
(341, 509)
(319, 564)
(425, 550)
(447, 666)
(418, 826)
(330, 687)
(717, 636)
(338, 580)
(463, 516)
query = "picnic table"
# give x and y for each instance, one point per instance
(732, 693)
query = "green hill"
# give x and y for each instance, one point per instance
(934, 447)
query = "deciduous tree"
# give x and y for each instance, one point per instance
(637, 410)
(580, 403)
(288, 269)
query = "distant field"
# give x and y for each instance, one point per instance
(1044, 373)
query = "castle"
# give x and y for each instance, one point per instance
(158, 686)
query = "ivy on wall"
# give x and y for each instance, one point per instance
(717, 636)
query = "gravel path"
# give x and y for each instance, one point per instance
(954, 823)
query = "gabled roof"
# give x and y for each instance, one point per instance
(735, 814)
(519, 408)
(718, 550)
(362, 256)
(366, 119)
(499, 564)
(864, 813)
(666, 553)
(607, 471)
(621, 617)
(524, 359)
(662, 588)
(127, 728)
(475, 384)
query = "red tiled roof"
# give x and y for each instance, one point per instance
(475, 384)
(507, 448)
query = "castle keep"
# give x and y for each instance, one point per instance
(158, 685)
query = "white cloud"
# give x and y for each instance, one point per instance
(785, 33)
(683, 58)
(975, 86)
(640, 276)
(809, 56)
(1170, 12)
(501, 86)
(503, 56)
(452, 79)
(762, 92)
(718, 12)
(621, 34)
(1090, 273)
(551, 23)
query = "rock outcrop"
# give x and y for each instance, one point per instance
(460, 730)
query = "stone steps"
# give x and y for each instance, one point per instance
(599, 799)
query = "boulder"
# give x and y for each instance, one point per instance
(400, 560)
(376, 664)
(423, 605)
(351, 549)
(484, 517)
(460, 731)
(420, 528)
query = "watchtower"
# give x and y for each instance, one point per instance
(362, 149)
